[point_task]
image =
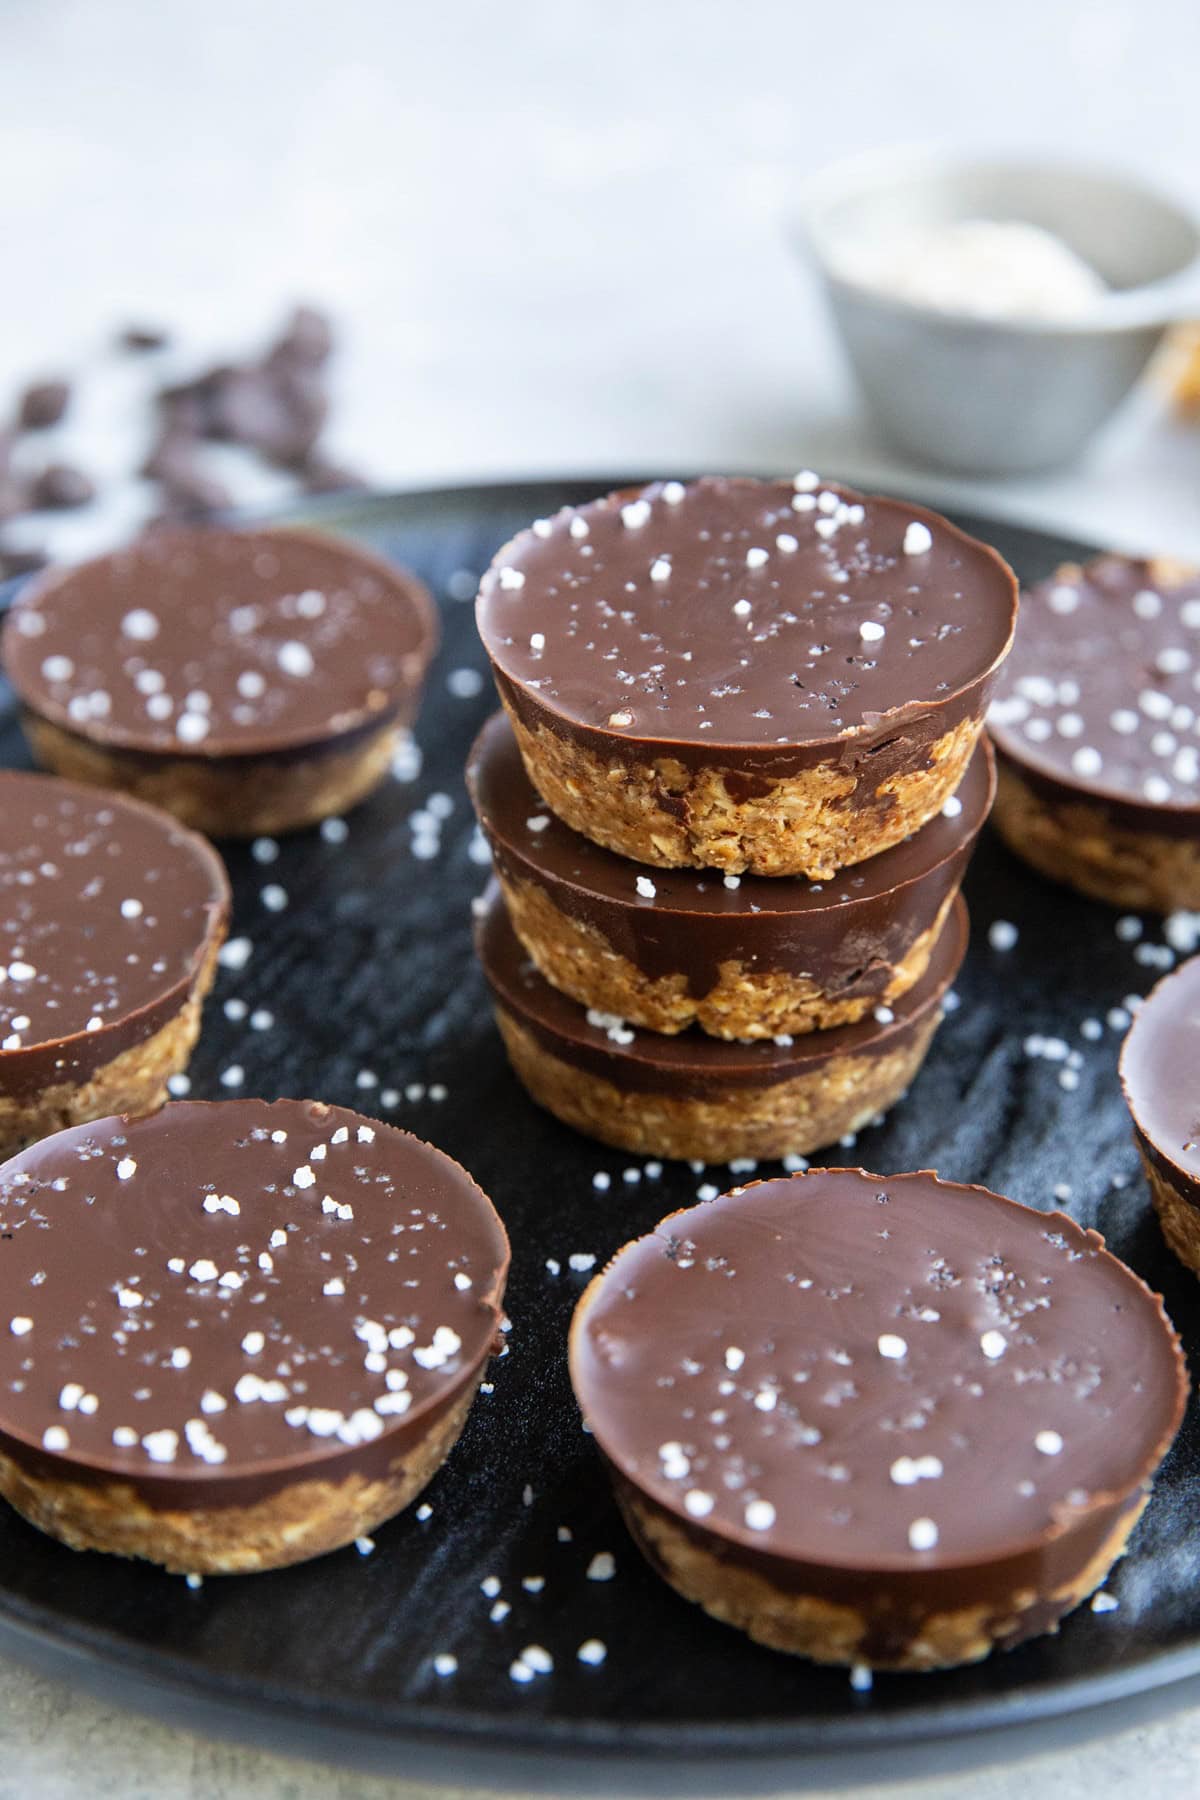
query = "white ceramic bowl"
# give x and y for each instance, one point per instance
(998, 396)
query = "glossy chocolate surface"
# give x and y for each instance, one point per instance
(221, 643)
(1100, 699)
(108, 908)
(224, 1298)
(873, 1376)
(790, 626)
(692, 1063)
(846, 933)
(1160, 1073)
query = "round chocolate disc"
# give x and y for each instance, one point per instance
(694, 920)
(691, 1062)
(1159, 1061)
(1101, 695)
(745, 614)
(224, 1298)
(221, 643)
(881, 1375)
(108, 909)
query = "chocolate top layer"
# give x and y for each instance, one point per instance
(878, 1373)
(744, 613)
(108, 908)
(211, 643)
(222, 1298)
(1160, 1073)
(1102, 691)
(693, 920)
(692, 1062)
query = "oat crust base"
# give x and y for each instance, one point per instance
(746, 1003)
(788, 1118)
(306, 1519)
(1179, 1219)
(667, 814)
(1083, 847)
(227, 797)
(133, 1082)
(814, 1626)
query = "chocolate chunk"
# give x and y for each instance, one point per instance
(61, 486)
(15, 562)
(321, 477)
(43, 403)
(307, 338)
(143, 337)
(190, 493)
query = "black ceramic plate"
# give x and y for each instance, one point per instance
(376, 1002)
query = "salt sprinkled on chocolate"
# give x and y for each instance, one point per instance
(643, 639)
(1102, 689)
(299, 638)
(271, 1364)
(740, 1367)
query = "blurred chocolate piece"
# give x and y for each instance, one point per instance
(307, 338)
(143, 337)
(14, 562)
(43, 403)
(189, 492)
(59, 487)
(321, 477)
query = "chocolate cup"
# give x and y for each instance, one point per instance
(833, 1539)
(188, 891)
(856, 746)
(203, 1188)
(1157, 1070)
(844, 938)
(698, 1097)
(1096, 629)
(377, 647)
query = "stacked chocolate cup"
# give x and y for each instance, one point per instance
(730, 802)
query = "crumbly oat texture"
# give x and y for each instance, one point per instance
(666, 813)
(134, 1082)
(225, 797)
(745, 1003)
(307, 1519)
(814, 1626)
(1083, 846)
(788, 1117)
(1180, 1220)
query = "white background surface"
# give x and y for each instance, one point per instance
(552, 232)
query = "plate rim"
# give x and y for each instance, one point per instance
(147, 1670)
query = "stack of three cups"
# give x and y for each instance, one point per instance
(730, 803)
